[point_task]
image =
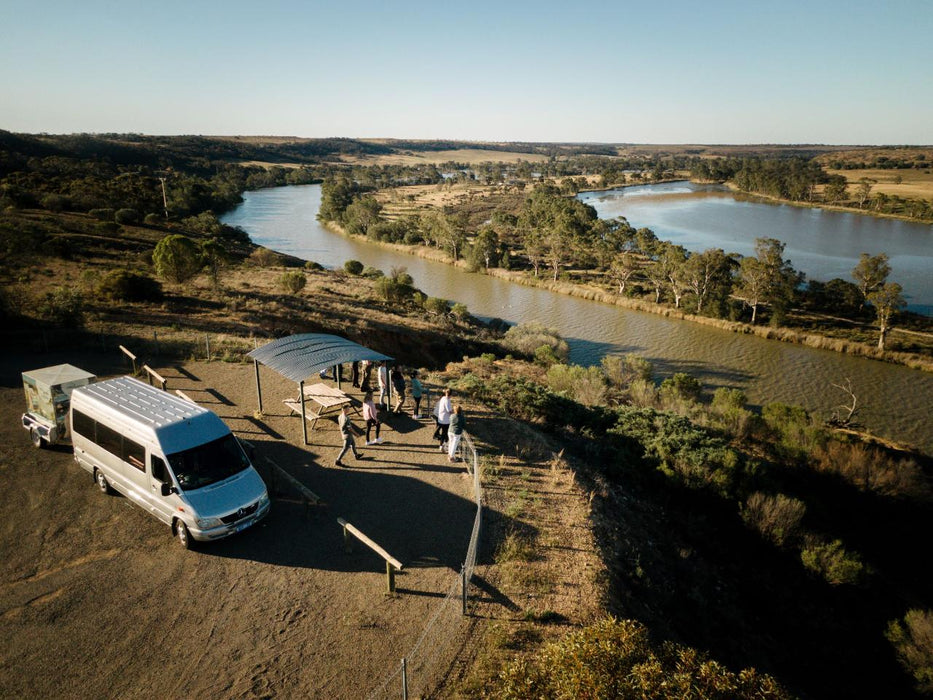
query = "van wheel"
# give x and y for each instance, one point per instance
(181, 532)
(102, 483)
(35, 437)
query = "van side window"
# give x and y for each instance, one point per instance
(157, 466)
(82, 424)
(134, 454)
(110, 439)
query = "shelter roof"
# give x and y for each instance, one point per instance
(297, 357)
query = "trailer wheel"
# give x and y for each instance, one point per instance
(35, 437)
(102, 483)
(181, 532)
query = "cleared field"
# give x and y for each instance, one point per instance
(914, 184)
(470, 156)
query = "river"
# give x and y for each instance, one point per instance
(896, 400)
(821, 243)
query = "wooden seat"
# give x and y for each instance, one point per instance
(295, 406)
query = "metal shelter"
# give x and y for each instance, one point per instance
(298, 357)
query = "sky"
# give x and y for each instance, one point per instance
(677, 71)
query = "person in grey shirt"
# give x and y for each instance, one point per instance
(346, 431)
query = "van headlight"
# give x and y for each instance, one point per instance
(263, 501)
(208, 523)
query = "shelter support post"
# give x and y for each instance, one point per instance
(258, 388)
(304, 421)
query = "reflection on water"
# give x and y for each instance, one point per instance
(823, 244)
(896, 399)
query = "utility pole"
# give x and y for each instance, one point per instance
(164, 198)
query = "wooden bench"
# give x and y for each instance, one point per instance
(295, 406)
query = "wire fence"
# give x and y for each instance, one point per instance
(426, 664)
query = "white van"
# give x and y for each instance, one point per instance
(174, 459)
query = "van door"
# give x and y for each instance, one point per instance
(163, 507)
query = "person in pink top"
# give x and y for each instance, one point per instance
(371, 416)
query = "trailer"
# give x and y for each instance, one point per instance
(48, 395)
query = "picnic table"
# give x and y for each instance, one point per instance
(325, 400)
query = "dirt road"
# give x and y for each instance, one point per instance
(97, 599)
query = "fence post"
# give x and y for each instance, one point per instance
(463, 588)
(390, 578)
(207, 342)
(404, 679)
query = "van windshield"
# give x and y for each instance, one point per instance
(208, 463)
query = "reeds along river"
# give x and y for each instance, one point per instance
(896, 400)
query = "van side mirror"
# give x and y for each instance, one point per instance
(248, 448)
(167, 489)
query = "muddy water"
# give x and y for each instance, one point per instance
(896, 399)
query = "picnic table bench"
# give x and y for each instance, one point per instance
(325, 400)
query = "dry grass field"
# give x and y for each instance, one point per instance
(909, 184)
(470, 156)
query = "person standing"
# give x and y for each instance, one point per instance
(457, 424)
(355, 373)
(371, 416)
(346, 431)
(382, 376)
(398, 383)
(416, 392)
(443, 411)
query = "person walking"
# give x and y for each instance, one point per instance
(382, 377)
(355, 373)
(457, 424)
(371, 416)
(398, 383)
(416, 392)
(346, 431)
(443, 412)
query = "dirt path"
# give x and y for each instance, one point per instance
(97, 599)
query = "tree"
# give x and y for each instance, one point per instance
(770, 280)
(709, 276)
(176, 258)
(486, 246)
(870, 273)
(622, 268)
(214, 257)
(836, 189)
(886, 300)
(863, 191)
(293, 281)
(673, 259)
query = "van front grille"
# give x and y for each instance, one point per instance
(240, 514)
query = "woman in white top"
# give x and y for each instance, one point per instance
(443, 411)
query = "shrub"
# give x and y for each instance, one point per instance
(913, 642)
(621, 370)
(123, 285)
(545, 356)
(643, 393)
(390, 290)
(526, 338)
(102, 214)
(313, 266)
(831, 561)
(777, 518)
(373, 273)
(871, 469)
(55, 202)
(680, 389)
(263, 257)
(353, 267)
(615, 659)
(434, 305)
(153, 219)
(126, 216)
(176, 258)
(293, 281)
(460, 311)
(795, 428)
(728, 410)
(583, 384)
(64, 307)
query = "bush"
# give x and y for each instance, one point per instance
(102, 214)
(153, 220)
(123, 285)
(583, 384)
(176, 258)
(615, 659)
(795, 429)
(263, 257)
(126, 216)
(313, 266)
(353, 267)
(390, 290)
(64, 307)
(681, 388)
(777, 518)
(913, 642)
(434, 305)
(728, 408)
(545, 356)
(373, 273)
(621, 370)
(831, 561)
(55, 202)
(460, 311)
(293, 281)
(526, 338)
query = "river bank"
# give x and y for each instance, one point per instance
(783, 334)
